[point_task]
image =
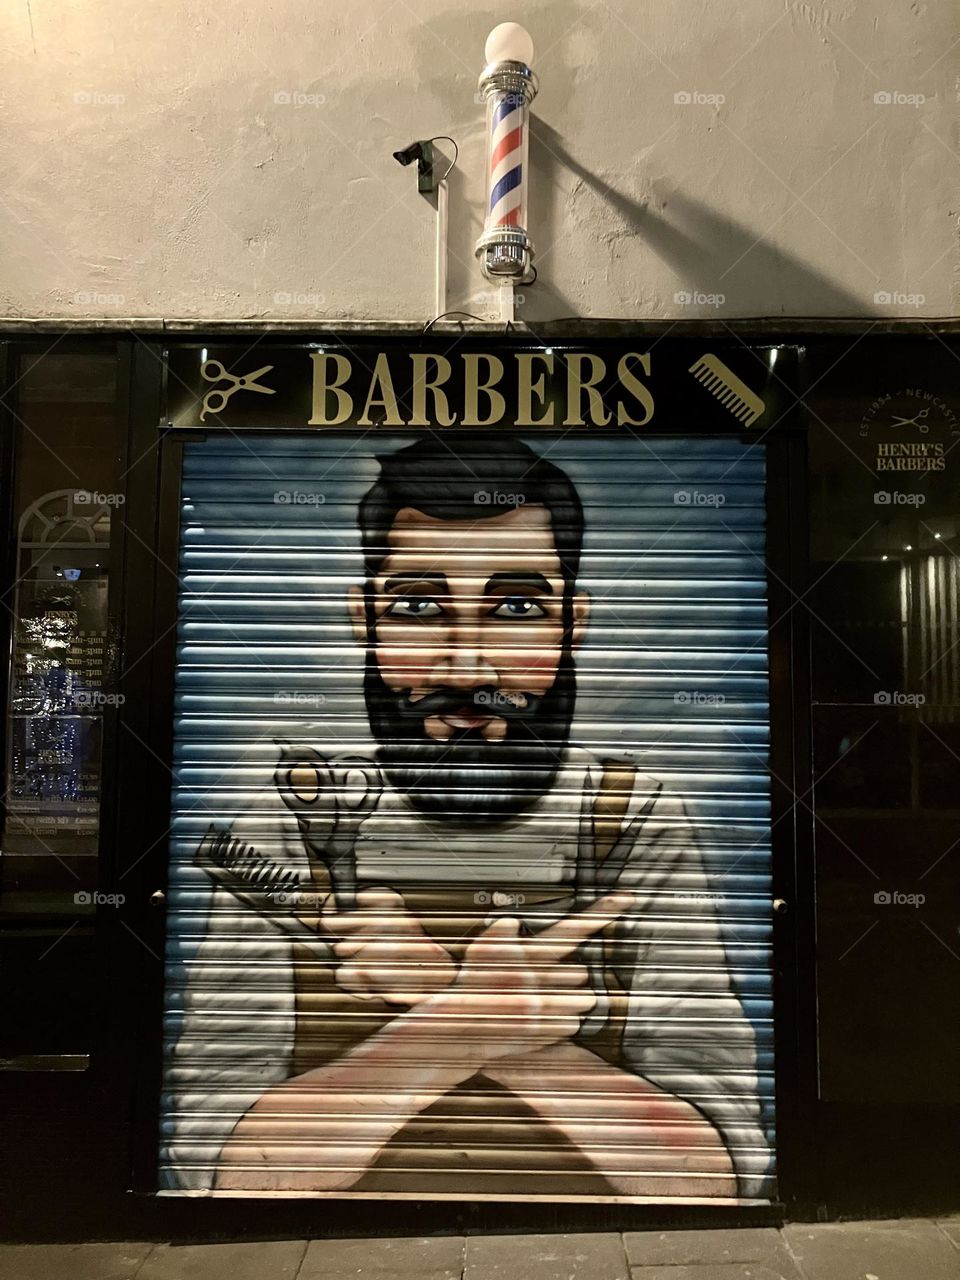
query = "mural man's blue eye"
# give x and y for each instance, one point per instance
(519, 607)
(414, 607)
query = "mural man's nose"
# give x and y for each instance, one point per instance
(465, 666)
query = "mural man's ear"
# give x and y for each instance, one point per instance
(356, 606)
(581, 615)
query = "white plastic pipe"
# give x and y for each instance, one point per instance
(440, 301)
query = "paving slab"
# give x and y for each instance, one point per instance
(694, 1248)
(583, 1256)
(912, 1249)
(251, 1260)
(423, 1258)
(72, 1261)
(716, 1271)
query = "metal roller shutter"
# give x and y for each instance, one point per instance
(432, 1061)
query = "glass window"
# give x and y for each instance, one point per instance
(61, 692)
(884, 607)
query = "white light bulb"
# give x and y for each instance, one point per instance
(509, 43)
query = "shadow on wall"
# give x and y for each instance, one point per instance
(709, 252)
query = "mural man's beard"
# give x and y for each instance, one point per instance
(467, 778)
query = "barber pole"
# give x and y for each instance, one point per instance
(507, 86)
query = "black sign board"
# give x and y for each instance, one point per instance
(472, 381)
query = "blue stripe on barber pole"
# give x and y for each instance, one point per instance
(509, 102)
(506, 184)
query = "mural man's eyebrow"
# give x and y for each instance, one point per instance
(518, 578)
(397, 580)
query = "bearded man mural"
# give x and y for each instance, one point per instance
(496, 983)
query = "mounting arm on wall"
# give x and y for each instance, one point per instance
(428, 183)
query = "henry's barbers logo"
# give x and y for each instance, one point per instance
(903, 426)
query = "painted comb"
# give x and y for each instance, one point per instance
(732, 392)
(252, 879)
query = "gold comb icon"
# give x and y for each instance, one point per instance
(731, 391)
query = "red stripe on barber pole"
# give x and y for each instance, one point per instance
(509, 142)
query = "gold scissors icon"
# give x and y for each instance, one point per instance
(216, 401)
(915, 421)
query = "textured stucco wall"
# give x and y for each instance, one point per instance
(150, 171)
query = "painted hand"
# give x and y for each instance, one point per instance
(385, 952)
(518, 994)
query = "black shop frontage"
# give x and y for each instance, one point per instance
(458, 779)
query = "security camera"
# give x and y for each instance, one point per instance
(422, 152)
(411, 153)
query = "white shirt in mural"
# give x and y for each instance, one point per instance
(231, 971)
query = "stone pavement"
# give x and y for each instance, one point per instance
(908, 1249)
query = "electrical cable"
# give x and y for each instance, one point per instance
(469, 314)
(445, 137)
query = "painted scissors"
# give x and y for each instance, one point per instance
(216, 401)
(915, 421)
(312, 786)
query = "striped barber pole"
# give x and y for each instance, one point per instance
(506, 162)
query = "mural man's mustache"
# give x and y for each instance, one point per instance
(487, 700)
(466, 777)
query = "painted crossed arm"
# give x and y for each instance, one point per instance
(512, 996)
(658, 1144)
(646, 1141)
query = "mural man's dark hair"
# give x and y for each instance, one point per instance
(443, 480)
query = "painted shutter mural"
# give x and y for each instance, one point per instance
(470, 870)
